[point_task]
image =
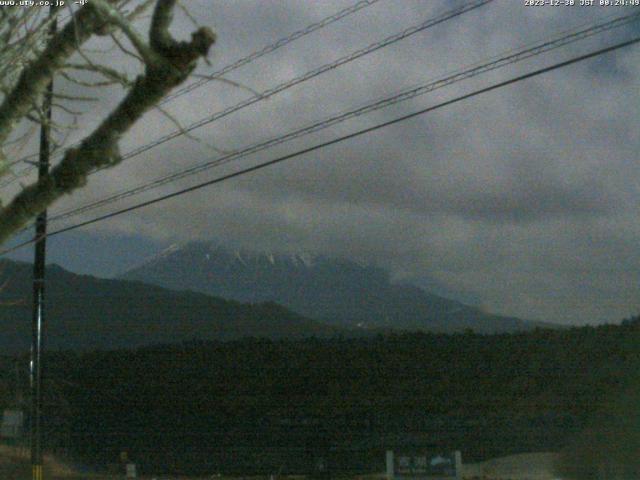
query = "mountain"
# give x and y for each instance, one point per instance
(85, 312)
(336, 291)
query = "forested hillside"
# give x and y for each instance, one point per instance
(265, 405)
(86, 313)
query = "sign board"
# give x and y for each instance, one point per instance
(131, 470)
(424, 465)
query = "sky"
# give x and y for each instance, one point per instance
(524, 200)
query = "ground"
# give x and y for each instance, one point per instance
(526, 466)
(14, 465)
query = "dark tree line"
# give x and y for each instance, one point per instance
(263, 406)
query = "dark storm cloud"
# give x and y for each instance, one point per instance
(526, 198)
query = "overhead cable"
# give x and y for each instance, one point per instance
(297, 80)
(331, 142)
(271, 48)
(250, 58)
(476, 69)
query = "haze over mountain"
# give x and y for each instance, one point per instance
(85, 312)
(336, 291)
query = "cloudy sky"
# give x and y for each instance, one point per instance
(525, 199)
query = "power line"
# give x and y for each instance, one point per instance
(457, 76)
(304, 151)
(252, 57)
(312, 74)
(271, 48)
(297, 80)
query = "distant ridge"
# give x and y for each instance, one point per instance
(158, 256)
(337, 291)
(85, 312)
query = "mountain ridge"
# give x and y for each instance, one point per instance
(85, 312)
(335, 291)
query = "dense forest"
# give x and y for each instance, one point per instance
(258, 405)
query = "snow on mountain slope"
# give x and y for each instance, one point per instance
(337, 291)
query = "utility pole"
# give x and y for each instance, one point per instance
(38, 319)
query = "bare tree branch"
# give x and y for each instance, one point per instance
(36, 76)
(170, 64)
